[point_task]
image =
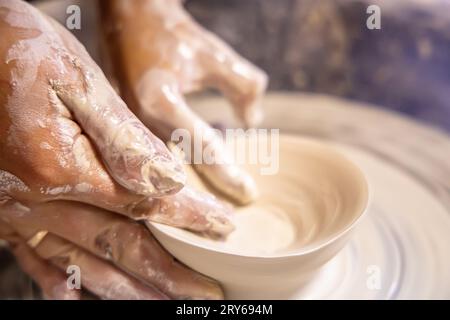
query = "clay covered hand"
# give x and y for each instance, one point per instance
(76, 163)
(158, 53)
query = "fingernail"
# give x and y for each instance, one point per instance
(219, 225)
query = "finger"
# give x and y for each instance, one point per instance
(191, 210)
(128, 244)
(49, 278)
(96, 275)
(134, 156)
(195, 211)
(162, 103)
(240, 81)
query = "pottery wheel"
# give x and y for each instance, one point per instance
(400, 248)
(403, 239)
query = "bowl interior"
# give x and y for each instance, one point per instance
(315, 196)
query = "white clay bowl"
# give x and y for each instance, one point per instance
(302, 218)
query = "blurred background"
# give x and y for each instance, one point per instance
(324, 46)
(316, 46)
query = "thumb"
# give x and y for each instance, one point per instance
(136, 158)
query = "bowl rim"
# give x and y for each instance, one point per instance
(366, 197)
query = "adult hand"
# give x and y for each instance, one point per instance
(77, 164)
(157, 54)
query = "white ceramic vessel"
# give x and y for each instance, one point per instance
(317, 191)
